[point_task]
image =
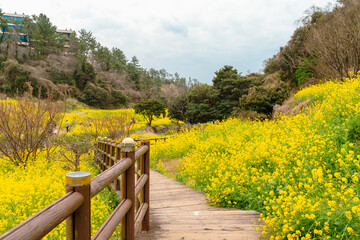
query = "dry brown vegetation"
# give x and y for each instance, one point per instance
(114, 126)
(25, 126)
(335, 41)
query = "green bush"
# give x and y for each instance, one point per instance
(262, 100)
(304, 71)
(85, 75)
(117, 98)
(60, 77)
(96, 96)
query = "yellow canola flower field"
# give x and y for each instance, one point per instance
(81, 118)
(25, 191)
(301, 171)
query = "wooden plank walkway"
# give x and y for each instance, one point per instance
(180, 212)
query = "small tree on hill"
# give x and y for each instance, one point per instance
(74, 146)
(150, 108)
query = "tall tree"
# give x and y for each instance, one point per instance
(103, 56)
(177, 108)
(3, 26)
(118, 60)
(230, 86)
(87, 45)
(202, 104)
(42, 35)
(134, 72)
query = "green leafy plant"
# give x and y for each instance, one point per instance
(149, 109)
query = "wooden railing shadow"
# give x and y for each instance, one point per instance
(122, 168)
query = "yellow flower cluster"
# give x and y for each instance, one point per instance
(301, 171)
(80, 120)
(25, 191)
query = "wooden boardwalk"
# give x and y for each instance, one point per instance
(180, 212)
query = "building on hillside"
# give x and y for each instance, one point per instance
(14, 17)
(15, 30)
(65, 34)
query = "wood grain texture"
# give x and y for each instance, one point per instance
(180, 212)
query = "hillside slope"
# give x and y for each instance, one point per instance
(63, 76)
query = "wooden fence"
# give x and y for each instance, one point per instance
(155, 140)
(125, 170)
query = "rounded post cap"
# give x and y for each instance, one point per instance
(78, 178)
(105, 138)
(128, 145)
(128, 140)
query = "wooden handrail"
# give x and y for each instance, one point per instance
(42, 222)
(109, 226)
(140, 215)
(75, 205)
(151, 139)
(141, 183)
(141, 151)
(102, 180)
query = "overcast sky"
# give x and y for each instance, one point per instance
(192, 37)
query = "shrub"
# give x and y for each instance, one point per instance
(96, 96)
(59, 77)
(262, 99)
(24, 128)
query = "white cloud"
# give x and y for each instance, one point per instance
(192, 37)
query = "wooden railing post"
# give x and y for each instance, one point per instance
(104, 156)
(117, 157)
(128, 188)
(138, 172)
(112, 154)
(100, 157)
(78, 225)
(108, 152)
(146, 170)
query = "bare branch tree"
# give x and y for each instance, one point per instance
(24, 127)
(335, 41)
(73, 147)
(115, 126)
(95, 126)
